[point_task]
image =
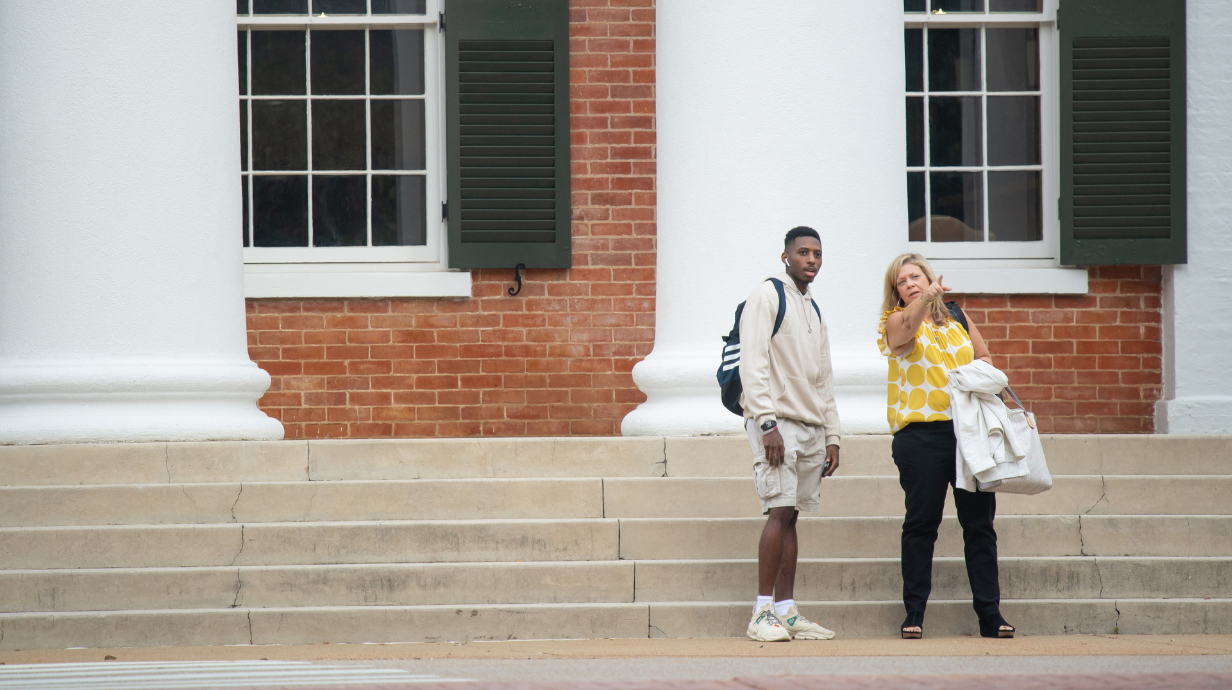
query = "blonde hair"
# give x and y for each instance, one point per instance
(892, 299)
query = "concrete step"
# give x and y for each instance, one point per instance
(464, 584)
(848, 496)
(429, 541)
(402, 459)
(880, 537)
(360, 624)
(303, 501)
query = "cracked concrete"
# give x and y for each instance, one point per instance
(242, 543)
(239, 494)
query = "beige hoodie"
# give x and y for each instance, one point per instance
(787, 376)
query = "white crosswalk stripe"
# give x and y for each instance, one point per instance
(169, 675)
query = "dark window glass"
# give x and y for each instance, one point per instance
(397, 135)
(957, 206)
(280, 210)
(339, 7)
(958, 5)
(953, 59)
(399, 6)
(279, 135)
(241, 7)
(243, 135)
(244, 196)
(954, 131)
(1016, 6)
(916, 222)
(279, 6)
(339, 211)
(241, 44)
(1013, 130)
(914, 44)
(915, 6)
(1013, 59)
(915, 130)
(338, 135)
(396, 62)
(337, 62)
(398, 205)
(278, 63)
(1015, 201)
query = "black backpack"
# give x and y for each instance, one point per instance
(729, 369)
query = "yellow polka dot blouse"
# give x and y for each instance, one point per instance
(918, 388)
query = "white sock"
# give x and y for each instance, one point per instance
(782, 607)
(762, 601)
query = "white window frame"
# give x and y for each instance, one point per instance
(1008, 267)
(396, 271)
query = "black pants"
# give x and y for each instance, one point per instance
(924, 454)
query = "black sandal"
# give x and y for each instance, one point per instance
(913, 620)
(995, 626)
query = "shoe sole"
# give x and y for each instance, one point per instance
(813, 636)
(755, 638)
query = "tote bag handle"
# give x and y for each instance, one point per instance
(1030, 421)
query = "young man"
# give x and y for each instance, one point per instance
(793, 428)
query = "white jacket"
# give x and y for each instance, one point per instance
(987, 447)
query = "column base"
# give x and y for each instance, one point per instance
(110, 402)
(1197, 415)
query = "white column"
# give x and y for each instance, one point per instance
(772, 115)
(121, 283)
(1197, 330)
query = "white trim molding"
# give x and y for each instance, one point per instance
(1016, 281)
(342, 281)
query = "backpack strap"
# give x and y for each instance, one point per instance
(778, 319)
(957, 312)
(816, 309)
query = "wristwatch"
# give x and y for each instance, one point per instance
(768, 426)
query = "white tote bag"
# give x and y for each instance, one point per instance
(1037, 479)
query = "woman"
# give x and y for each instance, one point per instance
(923, 343)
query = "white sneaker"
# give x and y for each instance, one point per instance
(802, 628)
(766, 627)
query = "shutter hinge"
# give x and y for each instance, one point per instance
(444, 210)
(1057, 22)
(440, 25)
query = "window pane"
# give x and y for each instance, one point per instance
(954, 131)
(339, 6)
(278, 63)
(915, 130)
(958, 5)
(398, 204)
(958, 206)
(339, 211)
(1016, 6)
(244, 196)
(914, 6)
(241, 45)
(279, 6)
(337, 62)
(953, 59)
(397, 135)
(1013, 130)
(338, 135)
(1015, 201)
(915, 207)
(397, 62)
(399, 6)
(1013, 60)
(914, 50)
(279, 135)
(243, 135)
(280, 210)
(241, 7)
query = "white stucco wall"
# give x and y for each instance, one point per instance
(791, 115)
(121, 285)
(1197, 399)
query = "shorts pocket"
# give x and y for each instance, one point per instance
(767, 480)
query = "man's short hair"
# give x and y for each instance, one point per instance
(798, 232)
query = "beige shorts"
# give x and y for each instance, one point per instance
(797, 482)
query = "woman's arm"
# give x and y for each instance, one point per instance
(902, 326)
(977, 342)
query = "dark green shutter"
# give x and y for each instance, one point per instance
(1122, 132)
(507, 133)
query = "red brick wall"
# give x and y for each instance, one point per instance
(1082, 364)
(553, 361)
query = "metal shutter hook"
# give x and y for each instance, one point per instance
(517, 275)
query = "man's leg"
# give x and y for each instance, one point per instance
(778, 541)
(785, 581)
